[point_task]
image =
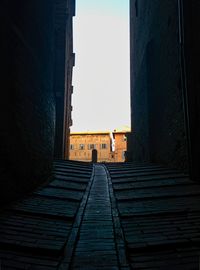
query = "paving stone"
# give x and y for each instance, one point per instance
(60, 193)
(132, 185)
(69, 185)
(160, 212)
(96, 246)
(34, 231)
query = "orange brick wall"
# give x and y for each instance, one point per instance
(80, 147)
(120, 146)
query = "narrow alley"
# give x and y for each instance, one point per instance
(142, 214)
(117, 216)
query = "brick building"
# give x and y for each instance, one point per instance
(120, 145)
(64, 62)
(36, 62)
(156, 84)
(82, 144)
(165, 82)
(110, 146)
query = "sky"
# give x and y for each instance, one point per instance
(101, 76)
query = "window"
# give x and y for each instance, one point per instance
(81, 146)
(71, 147)
(103, 146)
(123, 155)
(136, 8)
(124, 138)
(91, 146)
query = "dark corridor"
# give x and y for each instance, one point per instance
(147, 213)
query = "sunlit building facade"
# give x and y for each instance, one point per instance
(82, 144)
(110, 146)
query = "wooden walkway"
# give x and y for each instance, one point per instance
(117, 216)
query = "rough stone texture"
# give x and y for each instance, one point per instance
(64, 62)
(159, 213)
(96, 244)
(36, 54)
(27, 96)
(34, 231)
(156, 92)
(191, 45)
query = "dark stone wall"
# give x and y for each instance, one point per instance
(64, 62)
(158, 118)
(27, 98)
(191, 59)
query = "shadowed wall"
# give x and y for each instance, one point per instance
(158, 115)
(29, 107)
(27, 96)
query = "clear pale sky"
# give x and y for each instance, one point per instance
(101, 98)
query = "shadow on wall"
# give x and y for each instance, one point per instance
(27, 100)
(158, 116)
